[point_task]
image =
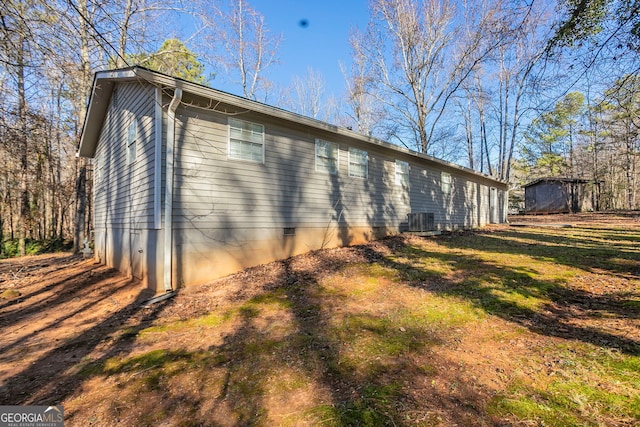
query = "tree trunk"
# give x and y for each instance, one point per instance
(81, 203)
(23, 222)
(484, 147)
(81, 225)
(629, 173)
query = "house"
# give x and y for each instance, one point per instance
(557, 195)
(191, 183)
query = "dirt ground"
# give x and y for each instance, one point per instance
(58, 310)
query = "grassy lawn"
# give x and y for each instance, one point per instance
(531, 326)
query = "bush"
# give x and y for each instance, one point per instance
(9, 248)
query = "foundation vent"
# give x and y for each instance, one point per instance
(421, 221)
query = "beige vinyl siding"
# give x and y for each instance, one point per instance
(286, 191)
(124, 194)
(213, 191)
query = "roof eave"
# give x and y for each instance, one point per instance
(227, 98)
(104, 82)
(552, 179)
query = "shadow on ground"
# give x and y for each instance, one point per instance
(284, 334)
(50, 329)
(565, 304)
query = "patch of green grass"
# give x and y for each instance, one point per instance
(276, 297)
(565, 404)
(263, 347)
(593, 401)
(211, 320)
(289, 379)
(422, 268)
(152, 359)
(375, 407)
(609, 365)
(371, 270)
(508, 293)
(358, 281)
(497, 282)
(589, 385)
(249, 311)
(434, 312)
(633, 304)
(150, 363)
(513, 303)
(370, 345)
(128, 333)
(534, 408)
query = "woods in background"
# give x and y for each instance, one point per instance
(511, 89)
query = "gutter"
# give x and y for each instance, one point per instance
(168, 194)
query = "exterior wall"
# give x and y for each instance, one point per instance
(231, 214)
(124, 234)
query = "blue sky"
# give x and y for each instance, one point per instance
(322, 44)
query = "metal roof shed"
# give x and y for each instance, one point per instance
(557, 195)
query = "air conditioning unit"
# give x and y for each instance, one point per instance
(421, 221)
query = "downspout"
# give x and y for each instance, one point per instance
(168, 191)
(157, 162)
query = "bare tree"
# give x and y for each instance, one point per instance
(81, 221)
(18, 56)
(239, 40)
(516, 61)
(102, 34)
(515, 71)
(624, 95)
(308, 94)
(479, 101)
(420, 53)
(465, 107)
(48, 52)
(362, 108)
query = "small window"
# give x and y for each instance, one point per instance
(445, 182)
(99, 174)
(402, 172)
(289, 231)
(326, 156)
(358, 163)
(246, 141)
(132, 139)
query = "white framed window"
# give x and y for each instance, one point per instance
(358, 163)
(99, 168)
(327, 156)
(445, 182)
(132, 141)
(402, 172)
(246, 141)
